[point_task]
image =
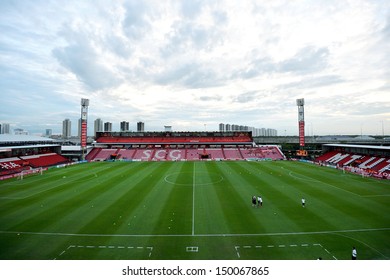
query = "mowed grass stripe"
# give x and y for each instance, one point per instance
(337, 202)
(209, 214)
(331, 203)
(36, 184)
(173, 200)
(352, 183)
(116, 206)
(279, 202)
(53, 205)
(235, 201)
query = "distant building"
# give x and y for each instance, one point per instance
(140, 127)
(19, 131)
(66, 129)
(271, 132)
(255, 131)
(124, 126)
(167, 128)
(5, 128)
(98, 126)
(48, 132)
(107, 127)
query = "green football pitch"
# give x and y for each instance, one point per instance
(194, 210)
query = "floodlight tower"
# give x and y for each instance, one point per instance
(84, 117)
(301, 122)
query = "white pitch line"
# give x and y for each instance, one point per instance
(282, 246)
(193, 202)
(238, 253)
(103, 247)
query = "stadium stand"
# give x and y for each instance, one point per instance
(232, 153)
(172, 146)
(92, 155)
(105, 154)
(44, 160)
(215, 153)
(12, 165)
(375, 165)
(27, 153)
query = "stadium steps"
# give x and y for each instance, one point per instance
(92, 154)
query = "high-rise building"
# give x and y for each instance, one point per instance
(48, 132)
(271, 132)
(107, 126)
(255, 131)
(66, 129)
(6, 128)
(98, 126)
(140, 127)
(124, 126)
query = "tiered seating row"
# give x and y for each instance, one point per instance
(12, 165)
(44, 160)
(16, 164)
(170, 154)
(272, 152)
(378, 165)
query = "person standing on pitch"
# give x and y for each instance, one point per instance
(354, 253)
(303, 202)
(259, 201)
(254, 201)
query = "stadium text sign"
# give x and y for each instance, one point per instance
(163, 154)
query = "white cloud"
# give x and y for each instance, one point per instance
(191, 63)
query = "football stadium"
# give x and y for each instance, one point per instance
(188, 196)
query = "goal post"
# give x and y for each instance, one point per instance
(24, 173)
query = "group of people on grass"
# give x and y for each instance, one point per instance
(258, 201)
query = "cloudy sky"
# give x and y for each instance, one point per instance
(196, 63)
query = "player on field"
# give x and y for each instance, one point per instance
(354, 253)
(254, 201)
(303, 202)
(259, 201)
